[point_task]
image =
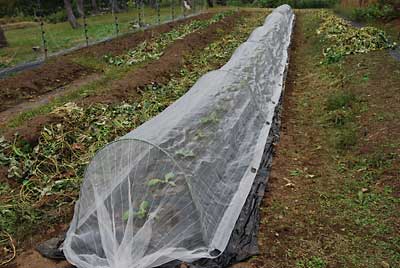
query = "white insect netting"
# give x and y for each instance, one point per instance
(173, 188)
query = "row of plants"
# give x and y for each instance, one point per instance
(340, 38)
(49, 175)
(154, 49)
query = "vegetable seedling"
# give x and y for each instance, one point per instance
(167, 180)
(185, 153)
(141, 213)
(212, 118)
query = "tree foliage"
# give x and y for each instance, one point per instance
(48, 7)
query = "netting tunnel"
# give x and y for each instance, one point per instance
(173, 188)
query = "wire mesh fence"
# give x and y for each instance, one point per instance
(41, 37)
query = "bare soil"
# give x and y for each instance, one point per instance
(31, 83)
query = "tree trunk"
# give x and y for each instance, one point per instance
(79, 6)
(71, 17)
(114, 6)
(210, 3)
(95, 8)
(3, 40)
(153, 3)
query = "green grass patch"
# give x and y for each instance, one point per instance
(340, 100)
(313, 262)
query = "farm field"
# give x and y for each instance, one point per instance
(179, 54)
(22, 37)
(333, 196)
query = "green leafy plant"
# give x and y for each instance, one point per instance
(210, 119)
(313, 262)
(167, 180)
(296, 172)
(185, 153)
(141, 213)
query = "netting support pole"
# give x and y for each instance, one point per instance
(85, 27)
(173, 9)
(138, 5)
(42, 31)
(44, 42)
(115, 17)
(143, 6)
(158, 12)
(116, 25)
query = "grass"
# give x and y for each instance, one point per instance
(313, 262)
(61, 36)
(346, 213)
(48, 177)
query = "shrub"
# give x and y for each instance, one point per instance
(374, 12)
(236, 3)
(296, 3)
(59, 16)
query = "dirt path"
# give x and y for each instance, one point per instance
(333, 198)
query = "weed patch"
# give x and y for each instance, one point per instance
(313, 262)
